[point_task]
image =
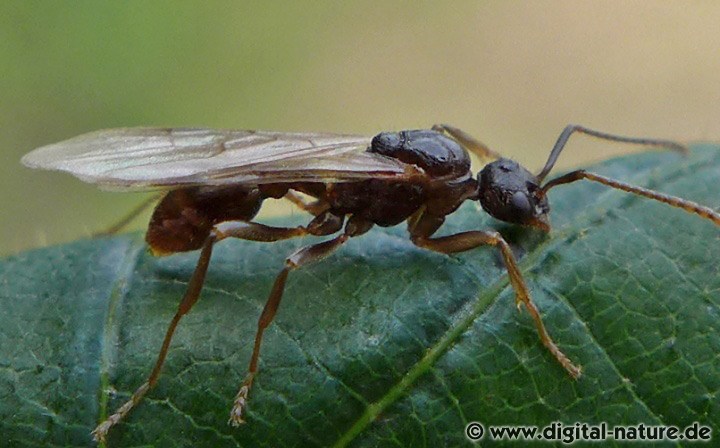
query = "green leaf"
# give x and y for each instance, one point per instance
(384, 344)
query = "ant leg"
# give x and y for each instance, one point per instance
(688, 206)
(314, 208)
(325, 223)
(300, 258)
(464, 241)
(253, 231)
(235, 229)
(191, 296)
(569, 129)
(125, 220)
(468, 142)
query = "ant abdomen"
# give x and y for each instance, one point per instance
(184, 217)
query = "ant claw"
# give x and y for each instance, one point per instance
(238, 409)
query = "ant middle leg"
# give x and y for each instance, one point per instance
(314, 208)
(302, 257)
(684, 204)
(461, 242)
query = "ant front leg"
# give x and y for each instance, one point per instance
(464, 241)
(235, 229)
(468, 142)
(684, 204)
(300, 258)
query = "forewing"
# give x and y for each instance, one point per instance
(157, 158)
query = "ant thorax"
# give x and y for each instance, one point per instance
(437, 154)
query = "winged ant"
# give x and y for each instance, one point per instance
(216, 181)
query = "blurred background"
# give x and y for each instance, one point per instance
(511, 73)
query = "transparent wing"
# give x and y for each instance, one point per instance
(160, 158)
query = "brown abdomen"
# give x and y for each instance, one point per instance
(183, 219)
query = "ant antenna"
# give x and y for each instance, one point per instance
(569, 129)
(684, 204)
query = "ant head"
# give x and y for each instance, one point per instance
(512, 194)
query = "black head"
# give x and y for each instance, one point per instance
(512, 194)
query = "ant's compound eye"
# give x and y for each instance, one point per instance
(521, 204)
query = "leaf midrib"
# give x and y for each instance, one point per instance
(119, 290)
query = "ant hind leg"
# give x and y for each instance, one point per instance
(192, 294)
(129, 217)
(236, 229)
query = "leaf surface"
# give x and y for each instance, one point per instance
(383, 344)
